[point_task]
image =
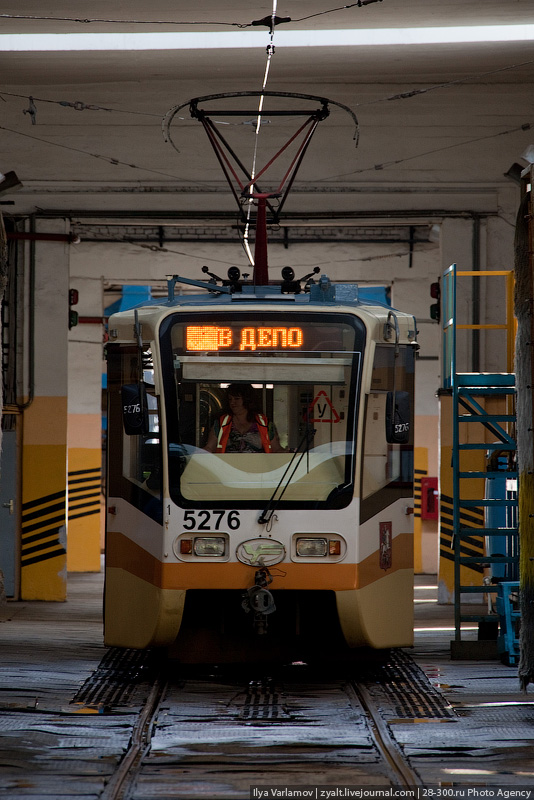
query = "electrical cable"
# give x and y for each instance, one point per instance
(524, 127)
(275, 20)
(109, 159)
(377, 167)
(79, 105)
(446, 85)
(271, 21)
(156, 249)
(359, 4)
(88, 21)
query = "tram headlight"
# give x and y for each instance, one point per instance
(209, 546)
(312, 547)
(189, 547)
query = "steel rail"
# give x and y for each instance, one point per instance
(128, 769)
(386, 743)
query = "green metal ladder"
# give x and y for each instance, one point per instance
(472, 396)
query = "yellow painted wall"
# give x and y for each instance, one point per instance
(43, 532)
(85, 517)
(420, 471)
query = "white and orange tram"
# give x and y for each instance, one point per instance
(296, 550)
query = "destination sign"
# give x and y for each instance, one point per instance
(215, 337)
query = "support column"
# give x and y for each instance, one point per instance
(524, 310)
(86, 517)
(44, 429)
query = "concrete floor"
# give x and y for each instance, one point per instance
(49, 650)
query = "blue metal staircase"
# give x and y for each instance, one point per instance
(483, 455)
(509, 620)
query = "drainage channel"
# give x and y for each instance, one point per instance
(133, 678)
(121, 678)
(398, 690)
(265, 702)
(405, 691)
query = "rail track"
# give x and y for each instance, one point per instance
(386, 744)
(218, 734)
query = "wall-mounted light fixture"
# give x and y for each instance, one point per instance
(9, 182)
(514, 173)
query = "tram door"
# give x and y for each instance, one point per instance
(8, 458)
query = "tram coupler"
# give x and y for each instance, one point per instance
(259, 600)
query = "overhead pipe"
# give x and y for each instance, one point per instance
(31, 322)
(70, 238)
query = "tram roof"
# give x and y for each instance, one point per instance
(339, 298)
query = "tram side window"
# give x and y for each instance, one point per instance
(388, 457)
(134, 459)
(141, 452)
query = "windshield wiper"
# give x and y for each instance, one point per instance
(267, 514)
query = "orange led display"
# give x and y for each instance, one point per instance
(212, 337)
(207, 337)
(252, 338)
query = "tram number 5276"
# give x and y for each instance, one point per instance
(205, 520)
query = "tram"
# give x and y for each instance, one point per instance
(298, 550)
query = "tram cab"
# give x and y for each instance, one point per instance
(243, 542)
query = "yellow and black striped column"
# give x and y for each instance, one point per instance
(43, 562)
(420, 471)
(85, 498)
(84, 507)
(43, 534)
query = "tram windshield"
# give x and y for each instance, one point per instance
(259, 402)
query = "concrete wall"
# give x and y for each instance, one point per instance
(94, 265)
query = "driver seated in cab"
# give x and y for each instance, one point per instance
(243, 428)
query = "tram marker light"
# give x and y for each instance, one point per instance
(334, 547)
(186, 547)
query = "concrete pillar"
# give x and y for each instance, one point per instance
(44, 429)
(85, 498)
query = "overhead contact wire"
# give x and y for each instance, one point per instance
(270, 53)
